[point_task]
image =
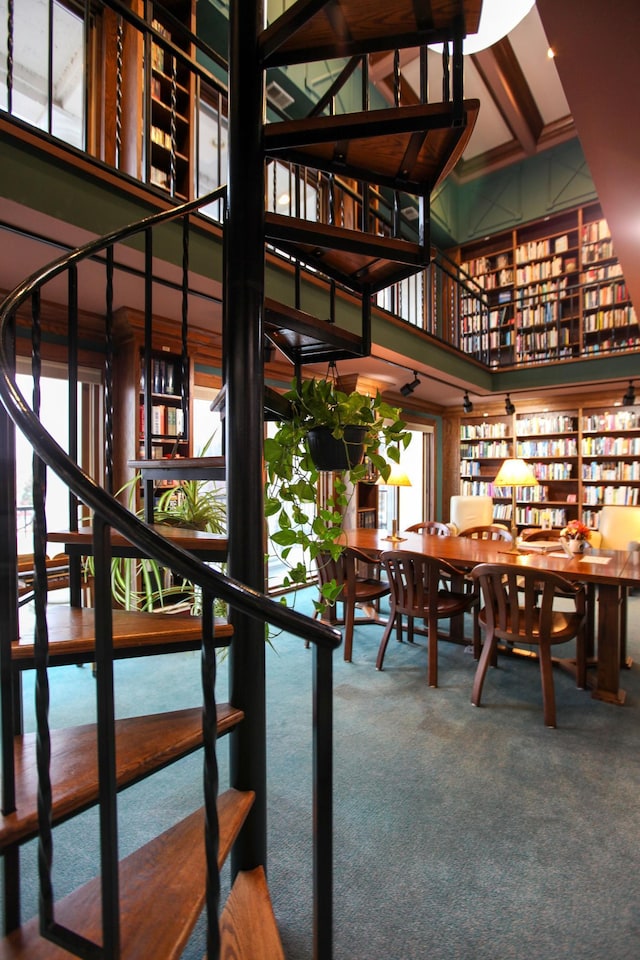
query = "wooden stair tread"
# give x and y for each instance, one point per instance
(275, 405)
(162, 888)
(307, 31)
(72, 634)
(143, 744)
(405, 148)
(207, 546)
(304, 338)
(181, 468)
(362, 261)
(248, 929)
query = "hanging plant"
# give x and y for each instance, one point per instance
(292, 473)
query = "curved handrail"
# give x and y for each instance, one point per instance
(103, 504)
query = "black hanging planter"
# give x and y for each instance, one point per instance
(328, 453)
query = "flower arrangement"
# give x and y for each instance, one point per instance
(575, 530)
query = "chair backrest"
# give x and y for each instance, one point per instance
(540, 534)
(489, 531)
(416, 579)
(469, 511)
(344, 568)
(518, 602)
(618, 527)
(430, 526)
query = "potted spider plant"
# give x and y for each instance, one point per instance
(142, 583)
(364, 433)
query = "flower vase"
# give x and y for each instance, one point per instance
(572, 547)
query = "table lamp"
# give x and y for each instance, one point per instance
(514, 473)
(397, 478)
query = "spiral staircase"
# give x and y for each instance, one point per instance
(145, 906)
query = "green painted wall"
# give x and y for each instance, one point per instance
(534, 188)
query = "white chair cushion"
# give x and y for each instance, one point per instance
(468, 511)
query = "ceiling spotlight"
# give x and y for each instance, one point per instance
(467, 405)
(408, 388)
(630, 396)
(508, 406)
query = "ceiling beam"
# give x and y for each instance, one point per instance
(503, 77)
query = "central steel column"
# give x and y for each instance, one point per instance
(244, 378)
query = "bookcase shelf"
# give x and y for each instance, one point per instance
(582, 458)
(549, 290)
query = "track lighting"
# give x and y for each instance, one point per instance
(508, 406)
(467, 405)
(408, 388)
(630, 396)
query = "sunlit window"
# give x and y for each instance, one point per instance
(46, 84)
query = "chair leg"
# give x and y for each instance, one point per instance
(432, 651)
(349, 620)
(581, 661)
(548, 692)
(385, 636)
(488, 651)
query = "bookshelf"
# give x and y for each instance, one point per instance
(170, 103)
(583, 458)
(610, 459)
(484, 443)
(553, 290)
(549, 443)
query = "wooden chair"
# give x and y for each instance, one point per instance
(356, 589)
(421, 587)
(484, 531)
(430, 526)
(487, 531)
(519, 607)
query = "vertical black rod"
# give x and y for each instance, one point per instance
(10, 57)
(50, 70)
(8, 632)
(244, 379)
(75, 563)
(86, 73)
(106, 740)
(184, 337)
(209, 731)
(41, 646)
(148, 382)
(108, 375)
(322, 804)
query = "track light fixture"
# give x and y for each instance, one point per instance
(467, 405)
(508, 406)
(630, 396)
(408, 388)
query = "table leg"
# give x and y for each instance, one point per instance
(610, 623)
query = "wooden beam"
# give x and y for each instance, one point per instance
(502, 75)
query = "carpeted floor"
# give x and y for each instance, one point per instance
(460, 833)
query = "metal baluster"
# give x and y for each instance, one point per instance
(108, 376)
(10, 57)
(184, 378)
(211, 777)
(173, 128)
(119, 63)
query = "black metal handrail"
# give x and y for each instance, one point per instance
(109, 514)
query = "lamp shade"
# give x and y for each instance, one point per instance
(515, 473)
(397, 478)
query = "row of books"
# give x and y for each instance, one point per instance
(546, 423)
(616, 471)
(166, 421)
(603, 496)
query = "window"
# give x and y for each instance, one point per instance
(46, 88)
(54, 414)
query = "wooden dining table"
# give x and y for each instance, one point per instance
(611, 572)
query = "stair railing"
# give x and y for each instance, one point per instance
(109, 515)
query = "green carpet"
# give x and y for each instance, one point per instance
(460, 833)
